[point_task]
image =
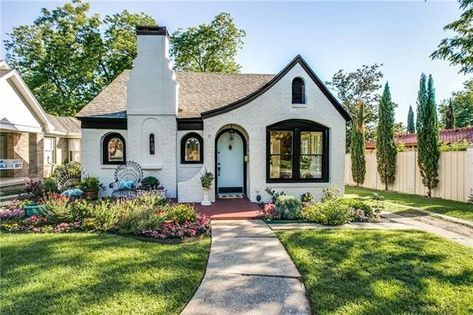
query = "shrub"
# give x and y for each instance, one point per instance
(288, 207)
(330, 212)
(71, 168)
(307, 197)
(178, 213)
(150, 182)
(313, 212)
(151, 201)
(50, 185)
(91, 183)
(356, 204)
(34, 189)
(274, 194)
(59, 208)
(330, 193)
(269, 211)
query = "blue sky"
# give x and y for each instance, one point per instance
(329, 35)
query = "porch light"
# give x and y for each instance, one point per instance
(232, 133)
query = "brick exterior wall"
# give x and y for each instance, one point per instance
(273, 106)
(36, 152)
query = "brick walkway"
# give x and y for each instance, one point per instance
(230, 209)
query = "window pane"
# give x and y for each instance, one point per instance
(281, 142)
(151, 144)
(311, 166)
(311, 142)
(48, 144)
(280, 166)
(192, 150)
(115, 150)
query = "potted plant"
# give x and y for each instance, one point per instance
(150, 183)
(206, 181)
(91, 186)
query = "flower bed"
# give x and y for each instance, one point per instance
(147, 216)
(331, 210)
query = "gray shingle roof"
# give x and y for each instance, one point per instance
(65, 124)
(198, 92)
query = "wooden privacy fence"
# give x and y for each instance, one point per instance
(455, 174)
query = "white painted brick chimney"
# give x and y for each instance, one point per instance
(152, 87)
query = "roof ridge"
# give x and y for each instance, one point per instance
(224, 73)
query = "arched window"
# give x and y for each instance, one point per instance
(297, 151)
(192, 149)
(151, 144)
(114, 149)
(298, 91)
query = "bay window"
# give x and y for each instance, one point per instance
(297, 151)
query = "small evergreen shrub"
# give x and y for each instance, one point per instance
(288, 207)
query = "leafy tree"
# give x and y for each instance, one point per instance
(428, 146)
(386, 150)
(208, 47)
(399, 128)
(449, 116)
(120, 41)
(361, 85)
(462, 103)
(65, 58)
(358, 163)
(411, 126)
(458, 50)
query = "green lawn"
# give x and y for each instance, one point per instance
(452, 208)
(97, 274)
(382, 272)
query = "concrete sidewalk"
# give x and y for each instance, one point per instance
(248, 272)
(432, 228)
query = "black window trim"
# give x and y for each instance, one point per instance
(184, 139)
(296, 126)
(105, 141)
(302, 87)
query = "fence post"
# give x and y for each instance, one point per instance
(469, 172)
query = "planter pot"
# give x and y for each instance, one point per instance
(34, 209)
(91, 194)
(205, 197)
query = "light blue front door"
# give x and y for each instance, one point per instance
(230, 163)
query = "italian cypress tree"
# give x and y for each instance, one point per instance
(428, 151)
(385, 145)
(358, 164)
(449, 116)
(411, 126)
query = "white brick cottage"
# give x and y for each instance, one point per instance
(254, 131)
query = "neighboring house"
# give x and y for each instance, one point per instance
(447, 136)
(283, 131)
(31, 141)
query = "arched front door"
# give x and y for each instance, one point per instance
(230, 160)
